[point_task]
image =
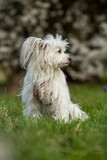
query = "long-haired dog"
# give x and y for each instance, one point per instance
(45, 91)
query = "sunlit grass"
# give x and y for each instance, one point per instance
(48, 140)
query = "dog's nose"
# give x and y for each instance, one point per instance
(69, 59)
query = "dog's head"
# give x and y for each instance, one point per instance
(47, 52)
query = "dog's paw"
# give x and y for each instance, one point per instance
(76, 113)
(83, 116)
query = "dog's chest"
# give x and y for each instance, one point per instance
(61, 86)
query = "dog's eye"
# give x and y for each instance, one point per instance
(59, 51)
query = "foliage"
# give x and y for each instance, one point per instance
(83, 23)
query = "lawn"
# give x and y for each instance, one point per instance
(29, 139)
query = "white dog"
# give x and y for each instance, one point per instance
(45, 91)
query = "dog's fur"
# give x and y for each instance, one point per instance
(43, 58)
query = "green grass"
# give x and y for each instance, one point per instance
(48, 140)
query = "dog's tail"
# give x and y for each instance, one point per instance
(27, 49)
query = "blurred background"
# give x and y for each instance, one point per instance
(83, 23)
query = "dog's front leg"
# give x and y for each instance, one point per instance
(57, 105)
(32, 110)
(61, 112)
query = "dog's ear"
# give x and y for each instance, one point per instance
(27, 49)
